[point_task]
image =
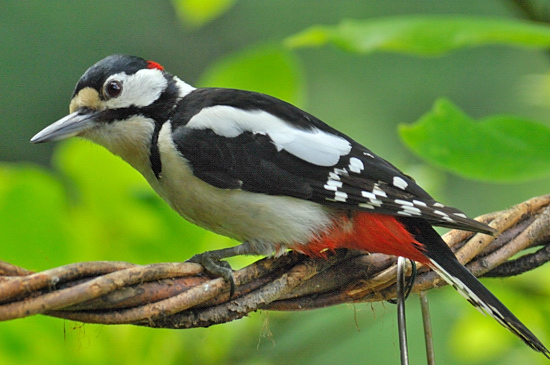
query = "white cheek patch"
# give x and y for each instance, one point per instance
(139, 89)
(314, 146)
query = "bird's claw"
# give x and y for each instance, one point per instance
(215, 266)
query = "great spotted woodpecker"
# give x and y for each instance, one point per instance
(261, 171)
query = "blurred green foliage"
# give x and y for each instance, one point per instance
(196, 13)
(497, 148)
(423, 35)
(268, 69)
(92, 206)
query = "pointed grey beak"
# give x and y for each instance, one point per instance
(66, 127)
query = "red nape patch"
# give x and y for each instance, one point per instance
(367, 232)
(152, 65)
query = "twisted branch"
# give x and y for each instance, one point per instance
(179, 295)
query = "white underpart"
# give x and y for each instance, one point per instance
(266, 220)
(129, 139)
(271, 222)
(314, 146)
(139, 89)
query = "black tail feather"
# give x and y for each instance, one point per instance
(444, 262)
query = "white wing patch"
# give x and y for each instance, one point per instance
(314, 146)
(399, 183)
(356, 165)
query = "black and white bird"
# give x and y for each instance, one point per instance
(262, 171)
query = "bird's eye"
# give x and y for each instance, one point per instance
(113, 88)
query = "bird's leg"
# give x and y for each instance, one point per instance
(213, 264)
(401, 320)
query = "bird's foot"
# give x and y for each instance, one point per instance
(214, 266)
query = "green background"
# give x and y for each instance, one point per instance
(83, 204)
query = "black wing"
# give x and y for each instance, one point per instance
(252, 161)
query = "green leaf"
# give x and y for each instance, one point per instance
(423, 35)
(266, 69)
(496, 148)
(196, 13)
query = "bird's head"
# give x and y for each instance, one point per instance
(117, 89)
